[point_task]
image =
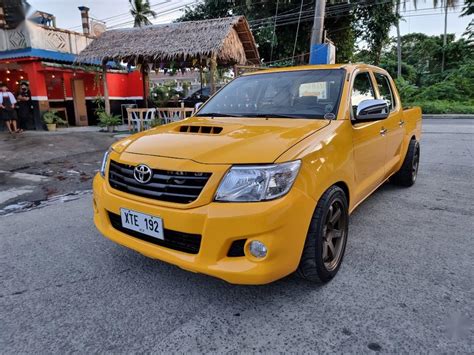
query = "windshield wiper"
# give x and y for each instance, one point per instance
(274, 115)
(216, 114)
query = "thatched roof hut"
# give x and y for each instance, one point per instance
(229, 40)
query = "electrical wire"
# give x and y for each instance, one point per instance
(297, 29)
(274, 26)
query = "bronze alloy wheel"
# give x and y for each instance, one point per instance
(335, 234)
(327, 236)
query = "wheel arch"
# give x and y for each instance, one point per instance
(344, 187)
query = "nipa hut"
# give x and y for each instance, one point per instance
(223, 41)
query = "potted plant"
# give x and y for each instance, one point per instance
(51, 119)
(108, 120)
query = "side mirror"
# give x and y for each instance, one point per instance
(372, 110)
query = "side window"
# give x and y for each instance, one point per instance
(361, 90)
(385, 90)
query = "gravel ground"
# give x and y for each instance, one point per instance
(405, 285)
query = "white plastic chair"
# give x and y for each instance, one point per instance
(134, 121)
(148, 119)
(169, 115)
(173, 114)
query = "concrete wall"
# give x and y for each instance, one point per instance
(41, 37)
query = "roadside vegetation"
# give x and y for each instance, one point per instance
(423, 83)
(425, 80)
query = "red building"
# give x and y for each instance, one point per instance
(44, 56)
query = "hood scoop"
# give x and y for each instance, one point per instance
(200, 129)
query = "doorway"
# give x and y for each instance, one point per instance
(79, 98)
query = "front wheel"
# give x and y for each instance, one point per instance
(327, 236)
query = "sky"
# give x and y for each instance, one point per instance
(116, 12)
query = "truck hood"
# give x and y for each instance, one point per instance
(223, 140)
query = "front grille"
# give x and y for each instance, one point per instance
(170, 186)
(185, 242)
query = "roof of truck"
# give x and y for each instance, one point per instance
(350, 67)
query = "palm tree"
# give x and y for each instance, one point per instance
(141, 10)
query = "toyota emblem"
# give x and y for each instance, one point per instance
(142, 174)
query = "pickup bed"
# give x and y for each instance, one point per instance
(261, 181)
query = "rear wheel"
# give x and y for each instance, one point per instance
(408, 173)
(327, 236)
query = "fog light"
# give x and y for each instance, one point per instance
(257, 249)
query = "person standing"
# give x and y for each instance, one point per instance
(7, 109)
(25, 112)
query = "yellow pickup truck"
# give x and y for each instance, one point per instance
(260, 182)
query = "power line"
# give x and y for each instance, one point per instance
(297, 29)
(124, 15)
(166, 12)
(274, 26)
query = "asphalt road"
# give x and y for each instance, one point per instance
(405, 284)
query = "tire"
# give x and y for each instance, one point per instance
(407, 174)
(314, 266)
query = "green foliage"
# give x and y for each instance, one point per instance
(51, 117)
(340, 26)
(109, 120)
(374, 23)
(445, 106)
(468, 8)
(99, 105)
(408, 71)
(155, 122)
(423, 53)
(454, 93)
(406, 90)
(162, 93)
(141, 10)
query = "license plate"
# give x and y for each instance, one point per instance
(143, 223)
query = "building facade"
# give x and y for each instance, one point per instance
(44, 56)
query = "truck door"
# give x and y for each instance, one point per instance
(369, 140)
(393, 123)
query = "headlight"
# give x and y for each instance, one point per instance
(103, 166)
(257, 183)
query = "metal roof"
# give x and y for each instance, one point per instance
(37, 53)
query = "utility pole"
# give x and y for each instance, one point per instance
(445, 40)
(318, 29)
(399, 44)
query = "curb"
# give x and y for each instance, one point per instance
(447, 116)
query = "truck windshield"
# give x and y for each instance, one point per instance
(291, 94)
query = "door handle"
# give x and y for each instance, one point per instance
(401, 123)
(383, 131)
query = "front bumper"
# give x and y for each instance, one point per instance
(281, 224)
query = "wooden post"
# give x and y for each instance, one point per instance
(213, 72)
(106, 89)
(200, 76)
(145, 83)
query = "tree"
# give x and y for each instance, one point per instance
(141, 10)
(468, 10)
(423, 56)
(373, 26)
(281, 42)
